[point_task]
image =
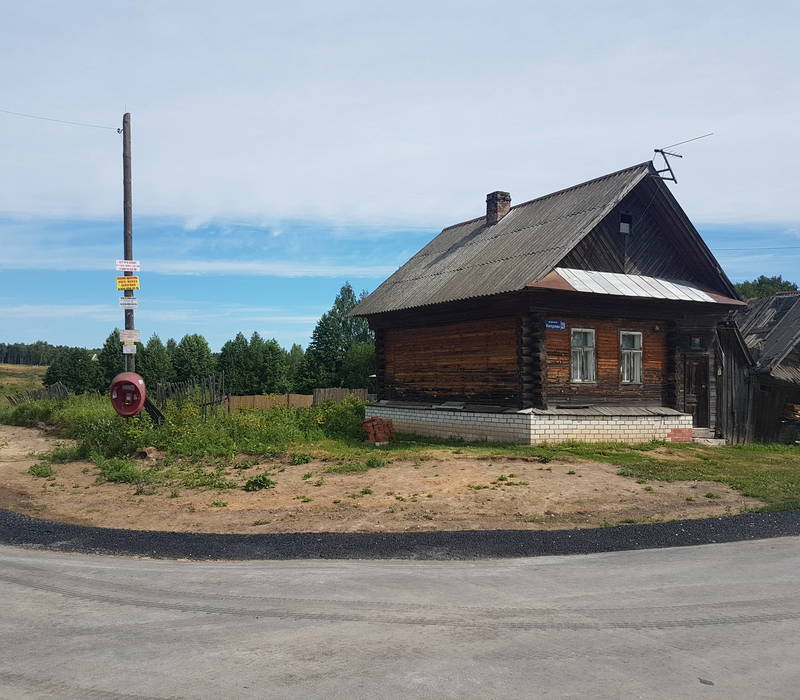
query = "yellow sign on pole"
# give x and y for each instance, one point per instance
(131, 282)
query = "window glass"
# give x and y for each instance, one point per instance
(583, 357)
(631, 357)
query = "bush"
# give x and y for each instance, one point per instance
(120, 470)
(342, 420)
(256, 483)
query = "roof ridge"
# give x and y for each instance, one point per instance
(553, 194)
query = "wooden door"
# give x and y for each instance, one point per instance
(695, 401)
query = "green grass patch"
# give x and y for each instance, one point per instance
(43, 471)
(257, 483)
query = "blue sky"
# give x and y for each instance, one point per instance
(281, 150)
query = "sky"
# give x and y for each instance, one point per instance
(280, 149)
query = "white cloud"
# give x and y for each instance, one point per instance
(405, 112)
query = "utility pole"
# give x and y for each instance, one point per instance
(127, 201)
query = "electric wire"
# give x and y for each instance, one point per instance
(59, 121)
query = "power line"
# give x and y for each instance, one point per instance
(785, 247)
(59, 121)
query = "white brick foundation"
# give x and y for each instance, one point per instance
(532, 426)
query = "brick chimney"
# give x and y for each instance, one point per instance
(497, 206)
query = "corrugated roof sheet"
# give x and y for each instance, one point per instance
(472, 259)
(614, 283)
(771, 331)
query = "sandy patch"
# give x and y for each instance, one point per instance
(447, 493)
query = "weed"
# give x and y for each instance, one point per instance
(427, 516)
(260, 522)
(571, 471)
(299, 458)
(256, 483)
(430, 495)
(41, 470)
(338, 500)
(307, 475)
(348, 468)
(712, 495)
(67, 453)
(477, 487)
(374, 462)
(366, 492)
(174, 493)
(319, 482)
(647, 488)
(502, 478)
(219, 504)
(641, 481)
(306, 499)
(689, 499)
(142, 490)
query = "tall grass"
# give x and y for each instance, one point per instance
(91, 421)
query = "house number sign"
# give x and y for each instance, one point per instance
(555, 325)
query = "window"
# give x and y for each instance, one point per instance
(625, 223)
(631, 357)
(583, 361)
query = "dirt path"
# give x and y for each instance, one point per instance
(443, 493)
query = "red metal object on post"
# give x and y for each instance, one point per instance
(128, 394)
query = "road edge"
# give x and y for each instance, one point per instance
(24, 531)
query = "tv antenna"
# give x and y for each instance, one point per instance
(670, 174)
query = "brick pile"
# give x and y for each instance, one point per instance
(379, 430)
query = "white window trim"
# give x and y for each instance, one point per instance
(640, 351)
(594, 353)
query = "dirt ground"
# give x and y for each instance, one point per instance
(406, 495)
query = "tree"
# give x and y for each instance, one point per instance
(193, 358)
(234, 360)
(171, 347)
(110, 360)
(75, 368)
(764, 286)
(272, 377)
(152, 362)
(294, 361)
(358, 365)
(335, 333)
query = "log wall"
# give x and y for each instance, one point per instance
(471, 361)
(656, 385)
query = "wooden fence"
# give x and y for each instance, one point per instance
(204, 391)
(337, 394)
(53, 391)
(266, 402)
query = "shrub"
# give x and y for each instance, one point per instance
(120, 470)
(256, 483)
(41, 470)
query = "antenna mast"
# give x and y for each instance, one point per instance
(664, 153)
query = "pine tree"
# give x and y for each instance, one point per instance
(335, 333)
(193, 358)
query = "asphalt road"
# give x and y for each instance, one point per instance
(714, 621)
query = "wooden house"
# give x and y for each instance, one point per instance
(589, 313)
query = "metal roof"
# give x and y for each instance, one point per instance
(472, 259)
(771, 331)
(618, 284)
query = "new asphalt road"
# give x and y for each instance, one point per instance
(714, 621)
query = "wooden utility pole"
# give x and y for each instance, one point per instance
(127, 200)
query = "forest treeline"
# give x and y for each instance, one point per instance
(341, 353)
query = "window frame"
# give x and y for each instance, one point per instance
(593, 348)
(631, 351)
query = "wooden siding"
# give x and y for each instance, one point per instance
(656, 246)
(471, 361)
(655, 388)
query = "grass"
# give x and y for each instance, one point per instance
(202, 454)
(17, 378)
